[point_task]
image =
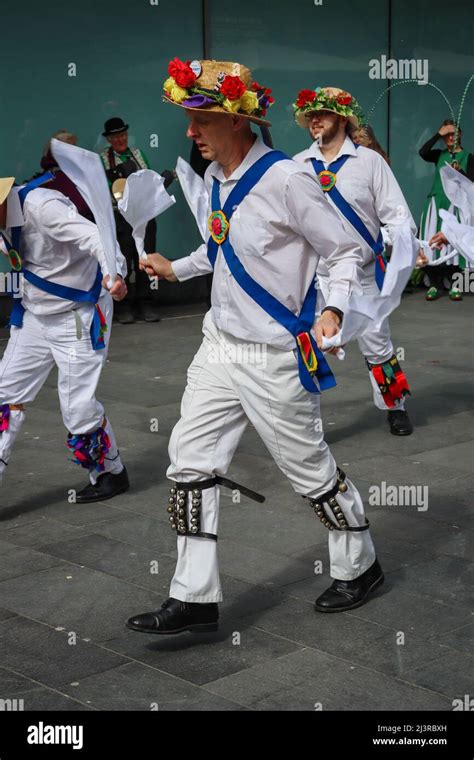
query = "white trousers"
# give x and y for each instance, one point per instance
(375, 346)
(31, 353)
(219, 400)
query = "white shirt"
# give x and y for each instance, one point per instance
(368, 184)
(60, 245)
(279, 232)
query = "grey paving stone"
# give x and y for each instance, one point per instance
(388, 650)
(138, 687)
(309, 680)
(105, 554)
(451, 675)
(40, 699)
(445, 579)
(425, 618)
(90, 603)
(12, 682)
(459, 638)
(16, 561)
(43, 654)
(139, 530)
(41, 532)
(200, 658)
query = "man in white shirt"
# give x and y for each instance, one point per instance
(269, 224)
(360, 185)
(63, 319)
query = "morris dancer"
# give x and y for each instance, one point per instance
(361, 186)
(63, 319)
(270, 223)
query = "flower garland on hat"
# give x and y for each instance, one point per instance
(230, 92)
(324, 98)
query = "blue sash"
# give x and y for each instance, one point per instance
(346, 210)
(60, 291)
(311, 361)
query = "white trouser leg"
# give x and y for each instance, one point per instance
(375, 346)
(26, 363)
(287, 418)
(202, 445)
(79, 370)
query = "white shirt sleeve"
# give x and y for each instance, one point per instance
(390, 204)
(192, 266)
(313, 217)
(59, 219)
(122, 267)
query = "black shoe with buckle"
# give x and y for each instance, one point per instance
(399, 422)
(107, 486)
(176, 616)
(347, 595)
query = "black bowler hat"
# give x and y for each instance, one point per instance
(114, 126)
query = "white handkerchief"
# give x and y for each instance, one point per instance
(144, 198)
(366, 313)
(85, 169)
(461, 236)
(197, 197)
(460, 191)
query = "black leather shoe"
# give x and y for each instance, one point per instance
(347, 595)
(175, 617)
(125, 316)
(148, 312)
(107, 486)
(399, 422)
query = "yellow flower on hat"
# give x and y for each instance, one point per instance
(169, 84)
(178, 94)
(231, 105)
(249, 101)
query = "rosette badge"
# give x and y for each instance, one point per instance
(217, 86)
(218, 226)
(327, 99)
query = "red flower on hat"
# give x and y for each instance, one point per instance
(232, 87)
(182, 73)
(344, 99)
(304, 97)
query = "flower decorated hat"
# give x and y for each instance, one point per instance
(217, 86)
(327, 99)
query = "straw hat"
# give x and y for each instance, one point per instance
(327, 99)
(217, 87)
(6, 184)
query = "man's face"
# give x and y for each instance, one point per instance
(212, 133)
(119, 142)
(323, 125)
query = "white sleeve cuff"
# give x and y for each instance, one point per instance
(183, 268)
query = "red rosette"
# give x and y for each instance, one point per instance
(232, 87)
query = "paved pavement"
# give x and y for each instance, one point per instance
(71, 575)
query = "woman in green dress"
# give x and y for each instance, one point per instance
(455, 155)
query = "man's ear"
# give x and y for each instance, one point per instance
(239, 122)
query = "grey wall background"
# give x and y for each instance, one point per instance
(121, 49)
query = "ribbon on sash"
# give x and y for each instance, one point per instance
(311, 361)
(98, 325)
(328, 179)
